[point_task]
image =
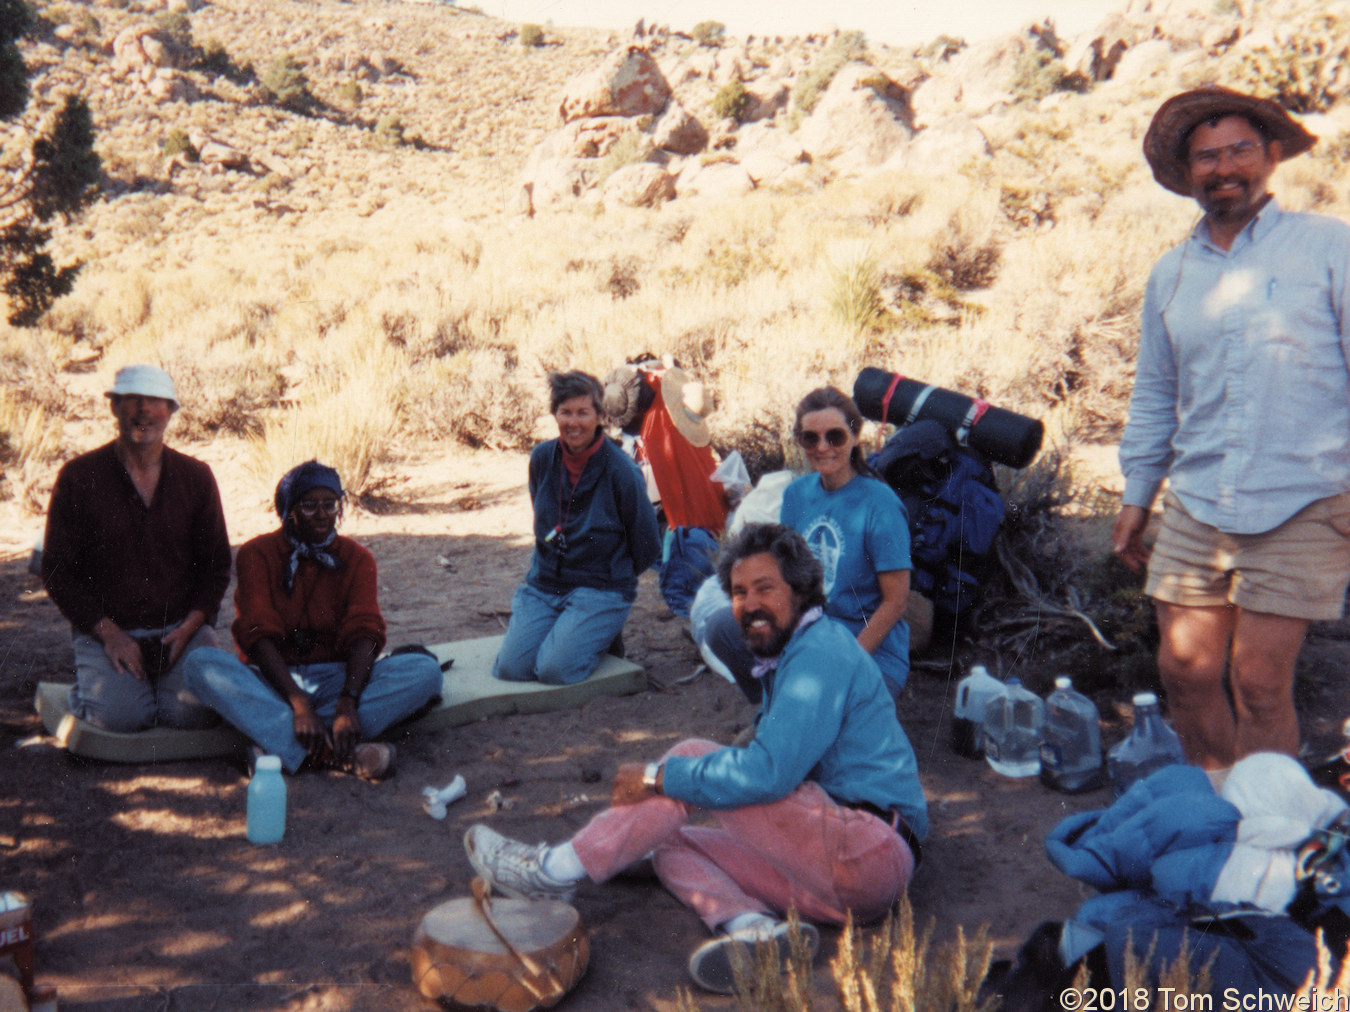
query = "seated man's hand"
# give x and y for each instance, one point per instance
(346, 728)
(628, 788)
(309, 729)
(177, 639)
(122, 650)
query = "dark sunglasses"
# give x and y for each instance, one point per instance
(835, 437)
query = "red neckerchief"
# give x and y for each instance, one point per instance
(575, 463)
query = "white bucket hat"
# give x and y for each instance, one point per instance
(146, 380)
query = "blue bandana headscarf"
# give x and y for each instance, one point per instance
(295, 483)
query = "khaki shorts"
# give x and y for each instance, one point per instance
(1298, 570)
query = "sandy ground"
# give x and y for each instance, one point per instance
(147, 896)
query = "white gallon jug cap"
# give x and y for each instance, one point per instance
(268, 762)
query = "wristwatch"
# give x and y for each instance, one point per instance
(649, 776)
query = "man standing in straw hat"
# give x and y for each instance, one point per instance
(1242, 404)
(137, 558)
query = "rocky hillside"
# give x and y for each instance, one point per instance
(304, 195)
(448, 102)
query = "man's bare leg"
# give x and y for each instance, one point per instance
(1192, 659)
(1265, 648)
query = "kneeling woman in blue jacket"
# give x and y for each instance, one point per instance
(594, 533)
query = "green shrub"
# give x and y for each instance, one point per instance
(87, 23)
(964, 266)
(287, 86)
(813, 81)
(177, 142)
(629, 149)
(52, 16)
(531, 36)
(1039, 72)
(176, 27)
(350, 92)
(213, 58)
(943, 48)
(1304, 71)
(389, 130)
(708, 33)
(732, 101)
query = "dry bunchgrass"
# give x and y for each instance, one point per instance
(348, 274)
(890, 969)
(30, 440)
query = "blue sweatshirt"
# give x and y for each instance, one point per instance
(608, 523)
(826, 716)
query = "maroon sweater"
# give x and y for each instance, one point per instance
(328, 608)
(108, 555)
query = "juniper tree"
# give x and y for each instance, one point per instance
(45, 173)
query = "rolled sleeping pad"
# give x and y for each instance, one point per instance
(1001, 435)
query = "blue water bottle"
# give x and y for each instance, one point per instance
(266, 802)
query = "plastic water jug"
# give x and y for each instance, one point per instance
(973, 693)
(1071, 744)
(1152, 744)
(1012, 731)
(266, 801)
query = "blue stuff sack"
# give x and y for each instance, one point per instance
(954, 509)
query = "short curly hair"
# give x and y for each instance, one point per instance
(563, 386)
(800, 569)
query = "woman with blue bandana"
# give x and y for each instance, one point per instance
(306, 686)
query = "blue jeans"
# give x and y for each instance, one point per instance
(558, 639)
(117, 701)
(398, 687)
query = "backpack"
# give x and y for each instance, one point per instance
(954, 510)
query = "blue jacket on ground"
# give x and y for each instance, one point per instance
(1169, 833)
(827, 717)
(1164, 853)
(608, 524)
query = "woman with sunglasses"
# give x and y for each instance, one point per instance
(855, 524)
(306, 686)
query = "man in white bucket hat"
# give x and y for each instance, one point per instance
(136, 556)
(1242, 405)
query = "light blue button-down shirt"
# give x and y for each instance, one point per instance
(1242, 394)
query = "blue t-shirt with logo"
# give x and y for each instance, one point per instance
(856, 532)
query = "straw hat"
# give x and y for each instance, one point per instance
(623, 394)
(689, 404)
(1165, 142)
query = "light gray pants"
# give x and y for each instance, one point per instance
(117, 701)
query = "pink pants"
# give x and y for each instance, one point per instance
(805, 851)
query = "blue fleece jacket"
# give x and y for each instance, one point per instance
(826, 716)
(608, 523)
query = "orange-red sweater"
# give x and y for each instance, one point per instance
(330, 609)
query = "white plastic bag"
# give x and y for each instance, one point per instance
(709, 600)
(733, 476)
(763, 503)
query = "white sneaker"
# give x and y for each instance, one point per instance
(513, 867)
(711, 964)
